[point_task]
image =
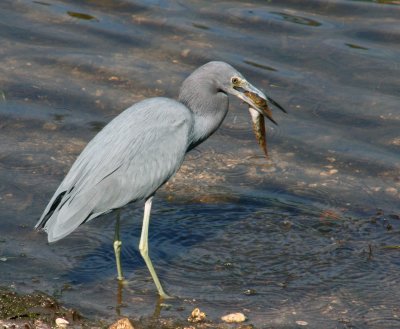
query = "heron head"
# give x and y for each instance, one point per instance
(255, 98)
(259, 104)
(216, 78)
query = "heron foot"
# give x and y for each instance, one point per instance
(164, 296)
(121, 281)
(117, 250)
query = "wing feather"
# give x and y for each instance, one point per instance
(127, 161)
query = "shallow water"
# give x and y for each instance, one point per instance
(308, 236)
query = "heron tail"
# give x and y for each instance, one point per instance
(63, 215)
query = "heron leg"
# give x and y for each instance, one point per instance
(144, 248)
(117, 249)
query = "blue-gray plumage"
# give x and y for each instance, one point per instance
(140, 149)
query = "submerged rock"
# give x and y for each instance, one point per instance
(197, 316)
(61, 323)
(122, 324)
(234, 318)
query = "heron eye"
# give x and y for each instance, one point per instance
(235, 80)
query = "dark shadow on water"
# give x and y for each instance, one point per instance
(297, 19)
(96, 126)
(81, 16)
(258, 65)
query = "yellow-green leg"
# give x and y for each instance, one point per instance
(117, 249)
(144, 248)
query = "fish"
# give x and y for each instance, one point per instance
(259, 108)
(259, 129)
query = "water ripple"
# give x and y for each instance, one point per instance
(297, 19)
(293, 238)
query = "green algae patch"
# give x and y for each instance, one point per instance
(14, 306)
(40, 311)
(30, 308)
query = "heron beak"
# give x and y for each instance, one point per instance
(257, 100)
(259, 108)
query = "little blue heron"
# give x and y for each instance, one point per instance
(141, 148)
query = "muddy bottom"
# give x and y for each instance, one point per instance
(41, 311)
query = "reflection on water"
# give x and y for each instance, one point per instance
(312, 233)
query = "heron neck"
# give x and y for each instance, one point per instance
(209, 110)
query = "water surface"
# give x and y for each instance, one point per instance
(310, 235)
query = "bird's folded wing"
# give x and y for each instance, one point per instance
(127, 161)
